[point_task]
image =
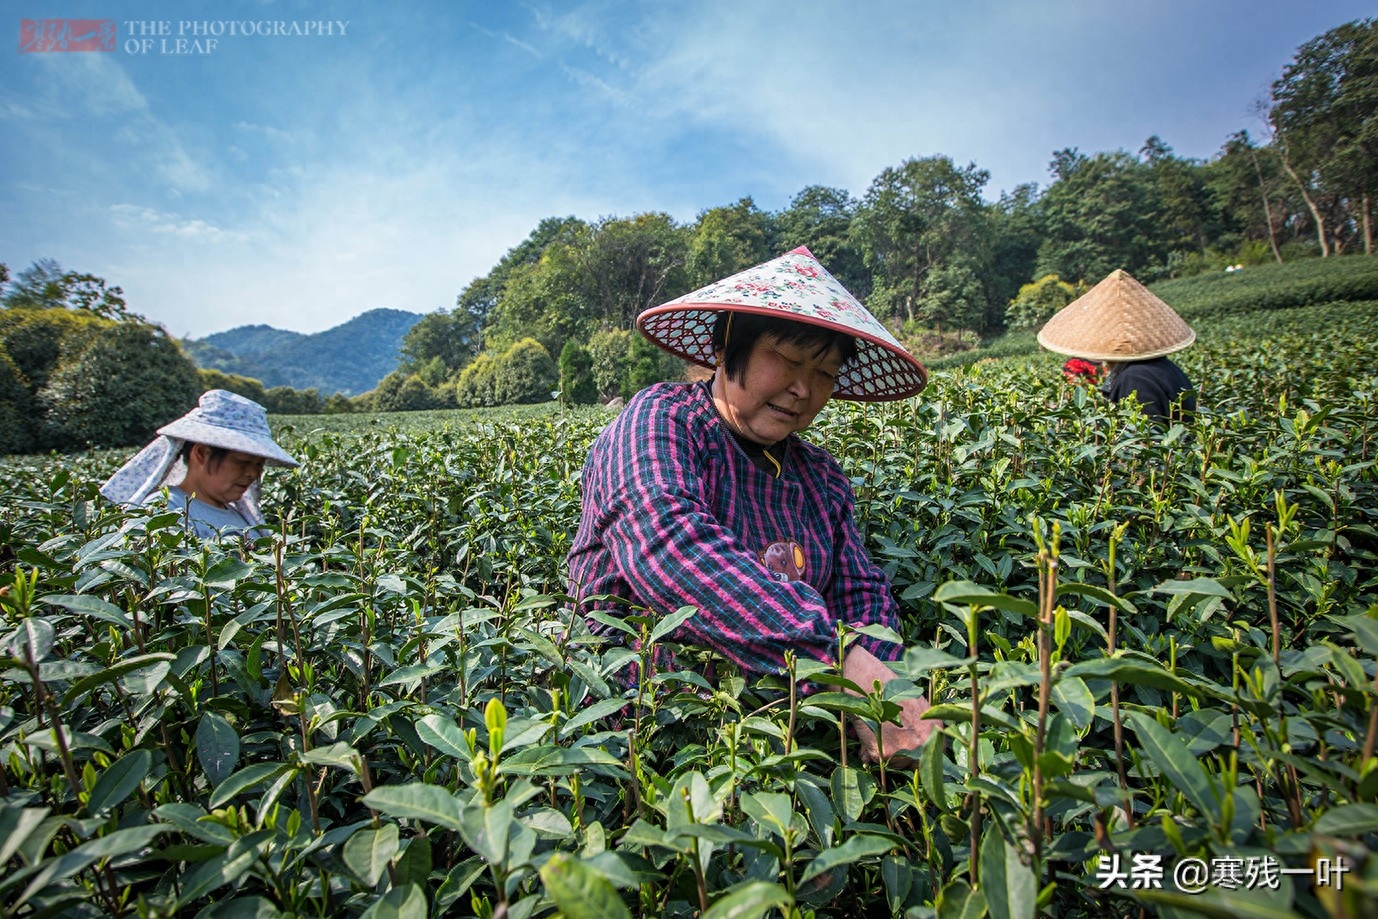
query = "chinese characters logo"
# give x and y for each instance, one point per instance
(36, 35)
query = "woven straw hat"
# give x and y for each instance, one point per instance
(794, 286)
(1117, 320)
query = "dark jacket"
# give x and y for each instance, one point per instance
(1156, 383)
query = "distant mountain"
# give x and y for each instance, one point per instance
(350, 358)
(250, 340)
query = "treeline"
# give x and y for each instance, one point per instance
(922, 247)
(78, 369)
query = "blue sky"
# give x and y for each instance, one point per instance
(298, 180)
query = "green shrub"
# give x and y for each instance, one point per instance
(609, 352)
(525, 373)
(474, 388)
(116, 386)
(1037, 302)
(402, 392)
(34, 338)
(576, 374)
(18, 421)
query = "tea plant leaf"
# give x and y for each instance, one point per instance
(538, 760)
(110, 674)
(818, 808)
(228, 572)
(225, 868)
(93, 606)
(1010, 888)
(1072, 697)
(1099, 595)
(959, 901)
(118, 781)
(246, 778)
(1349, 820)
(749, 901)
(243, 908)
(1364, 630)
(217, 747)
(691, 801)
(443, 734)
(919, 660)
(860, 846)
(417, 801)
(414, 865)
(1132, 671)
(32, 640)
(1177, 765)
(671, 622)
(852, 789)
(400, 903)
(339, 755)
(968, 594)
(16, 823)
(368, 852)
(592, 713)
(579, 891)
(898, 876)
(931, 761)
(771, 810)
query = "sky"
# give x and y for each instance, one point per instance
(344, 156)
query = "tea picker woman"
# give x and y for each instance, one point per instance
(210, 460)
(1123, 323)
(703, 494)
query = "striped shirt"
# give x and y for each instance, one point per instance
(676, 514)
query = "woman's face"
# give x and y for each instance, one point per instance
(781, 390)
(221, 482)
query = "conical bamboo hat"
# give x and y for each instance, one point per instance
(794, 286)
(1117, 320)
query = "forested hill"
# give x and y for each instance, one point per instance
(350, 358)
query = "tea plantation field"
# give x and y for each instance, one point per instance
(1150, 649)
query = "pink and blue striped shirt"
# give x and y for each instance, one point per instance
(676, 514)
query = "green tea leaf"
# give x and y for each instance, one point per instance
(579, 891)
(217, 747)
(368, 852)
(118, 781)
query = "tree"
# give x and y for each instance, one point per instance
(481, 295)
(951, 295)
(1245, 185)
(647, 364)
(913, 220)
(1101, 213)
(820, 218)
(633, 264)
(725, 240)
(247, 387)
(549, 300)
(576, 374)
(1036, 303)
(608, 350)
(44, 285)
(34, 339)
(1016, 230)
(1324, 117)
(116, 386)
(526, 373)
(450, 337)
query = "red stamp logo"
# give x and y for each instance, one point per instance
(37, 35)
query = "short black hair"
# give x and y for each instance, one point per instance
(213, 461)
(746, 328)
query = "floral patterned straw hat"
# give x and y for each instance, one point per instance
(1117, 320)
(794, 286)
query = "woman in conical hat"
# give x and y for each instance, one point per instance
(1123, 323)
(704, 495)
(210, 460)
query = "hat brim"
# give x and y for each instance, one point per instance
(879, 372)
(213, 435)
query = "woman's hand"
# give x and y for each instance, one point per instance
(864, 669)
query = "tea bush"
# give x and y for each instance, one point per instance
(1141, 643)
